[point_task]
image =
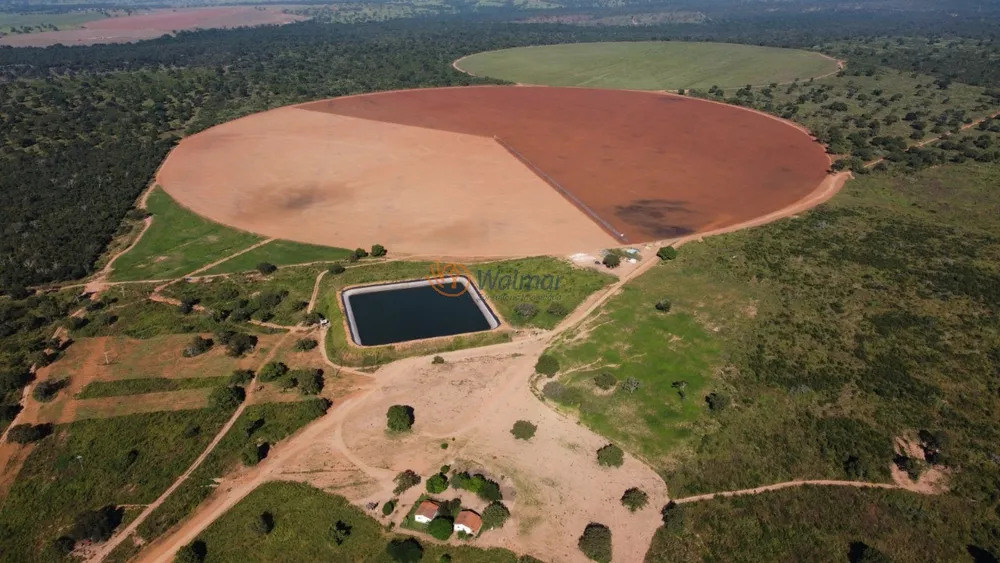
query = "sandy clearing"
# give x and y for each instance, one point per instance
(419, 171)
(340, 181)
(153, 24)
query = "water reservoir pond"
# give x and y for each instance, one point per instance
(413, 310)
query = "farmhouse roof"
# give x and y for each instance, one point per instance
(470, 520)
(427, 509)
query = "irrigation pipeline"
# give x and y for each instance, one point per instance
(565, 193)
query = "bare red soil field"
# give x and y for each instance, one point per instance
(152, 25)
(471, 171)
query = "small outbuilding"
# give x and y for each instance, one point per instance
(468, 522)
(426, 512)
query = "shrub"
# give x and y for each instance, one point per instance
(554, 390)
(227, 397)
(631, 385)
(197, 347)
(389, 507)
(240, 344)
(441, 528)
(64, 544)
(666, 253)
(437, 484)
(523, 430)
(241, 377)
(405, 480)
(305, 344)
(266, 268)
(352, 257)
(313, 318)
(663, 305)
(399, 418)
(489, 490)
(336, 269)
(96, 525)
(255, 453)
(526, 310)
(495, 516)
(611, 260)
(635, 499)
(310, 381)
(718, 401)
(360, 252)
(437, 360)
(272, 371)
(547, 365)
(378, 250)
(673, 517)
(28, 433)
(262, 524)
(406, 550)
(557, 309)
(595, 542)
(193, 552)
(47, 390)
(605, 380)
(610, 456)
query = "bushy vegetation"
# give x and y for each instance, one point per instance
(523, 430)
(610, 456)
(547, 365)
(635, 499)
(495, 515)
(483, 487)
(28, 433)
(595, 542)
(399, 418)
(405, 480)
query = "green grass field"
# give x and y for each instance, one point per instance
(92, 463)
(141, 386)
(269, 423)
(818, 524)
(15, 21)
(280, 253)
(648, 65)
(304, 521)
(177, 243)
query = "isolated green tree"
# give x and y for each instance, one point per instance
(666, 253)
(378, 250)
(399, 418)
(595, 542)
(605, 380)
(495, 515)
(635, 499)
(441, 528)
(438, 483)
(406, 550)
(610, 456)
(547, 365)
(611, 260)
(523, 430)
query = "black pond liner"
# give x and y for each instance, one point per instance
(413, 310)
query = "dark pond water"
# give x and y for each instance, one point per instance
(400, 315)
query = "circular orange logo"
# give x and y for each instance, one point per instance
(444, 279)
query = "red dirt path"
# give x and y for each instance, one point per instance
(654, 166)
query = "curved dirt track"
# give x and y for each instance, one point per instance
(494, 171)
